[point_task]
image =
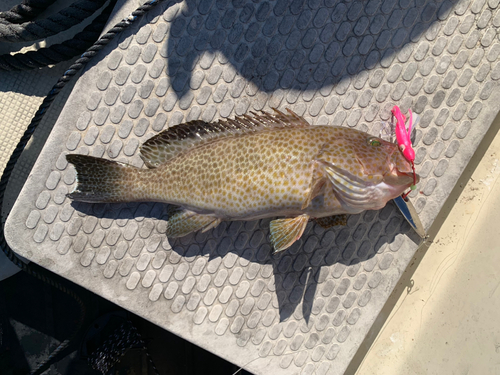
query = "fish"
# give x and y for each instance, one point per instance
(255, 166)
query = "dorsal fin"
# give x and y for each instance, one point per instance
(171, 142)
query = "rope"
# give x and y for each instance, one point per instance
(58, 52)
(116, 345)
(40, 29)
(4, 180)
(26, 11)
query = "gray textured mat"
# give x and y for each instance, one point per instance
(343, 63)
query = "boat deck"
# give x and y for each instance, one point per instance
(308, 309)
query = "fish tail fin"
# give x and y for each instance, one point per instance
(103, 181)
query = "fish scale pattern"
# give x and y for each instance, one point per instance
(334, 62)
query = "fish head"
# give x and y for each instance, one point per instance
(366, 171)
(382, 161)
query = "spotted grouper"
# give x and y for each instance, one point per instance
(255, 166)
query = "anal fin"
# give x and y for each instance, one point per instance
(182, 222)
(284, 232)
(331, 221)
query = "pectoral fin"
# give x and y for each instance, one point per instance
(352, 193)
(182, 222)
(284, 232)
(331, 221)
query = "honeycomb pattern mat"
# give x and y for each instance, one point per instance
(306, 310)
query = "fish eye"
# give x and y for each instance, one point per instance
(374, 142)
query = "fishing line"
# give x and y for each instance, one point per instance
(271, 355)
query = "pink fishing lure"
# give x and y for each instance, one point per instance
(404, 141)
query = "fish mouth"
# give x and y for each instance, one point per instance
(398, 178)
